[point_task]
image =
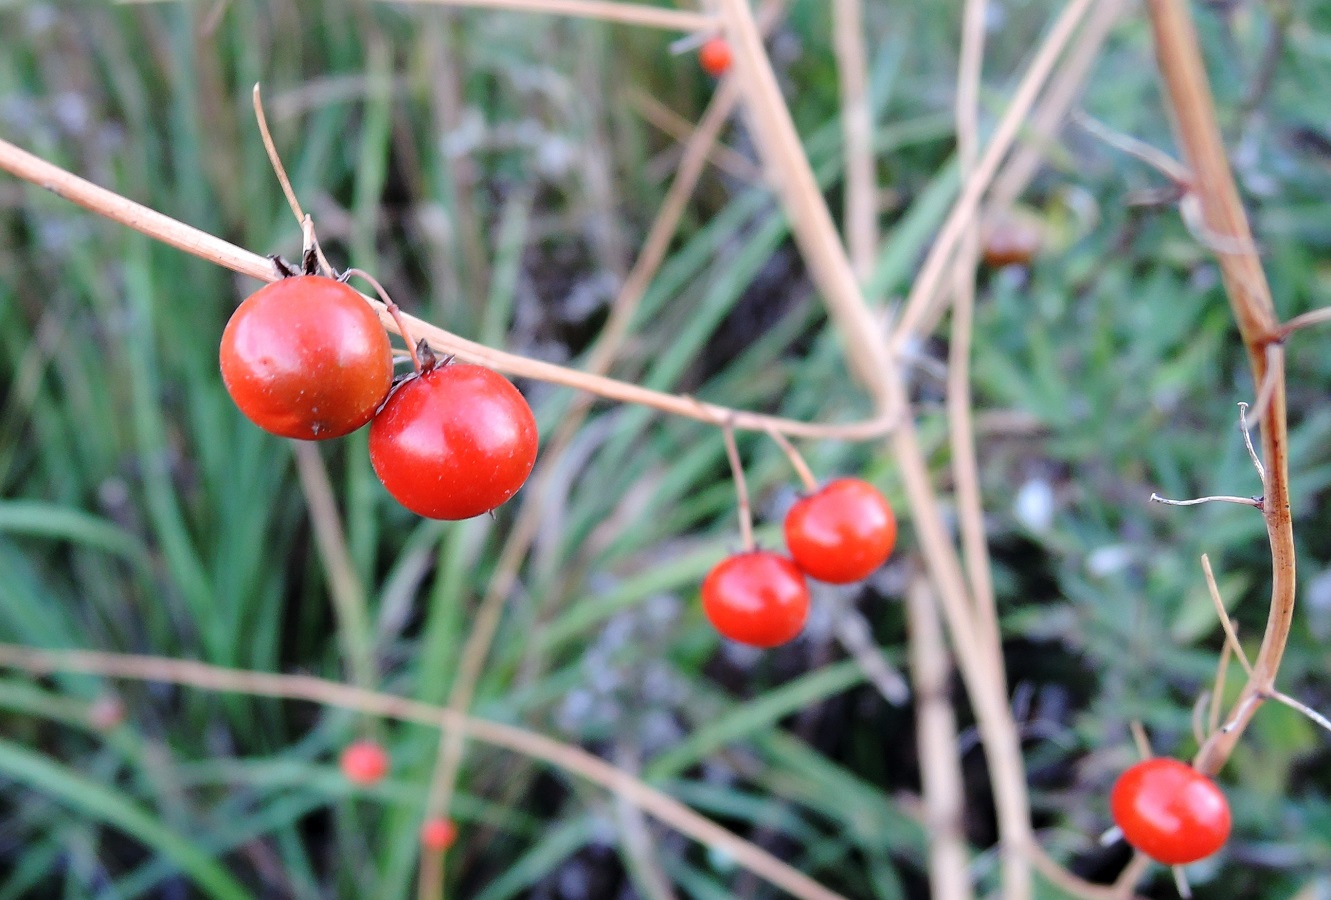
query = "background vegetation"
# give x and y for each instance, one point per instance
(497, 173)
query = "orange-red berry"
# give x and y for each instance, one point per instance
(1170, 811)
(364, 762)
(438, 834)
(715, 57)
(454, 442)
(305, 357)
(842, 532)
(758, 598)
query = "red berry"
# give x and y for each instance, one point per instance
(364, 762)
(306, 357)
(714, 57)
(1170, 811)
(842, 532)
(758, 598)
(438, 834)
(454, 442)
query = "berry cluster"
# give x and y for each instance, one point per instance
(1170, 811)
(306, 357)
(838, 534)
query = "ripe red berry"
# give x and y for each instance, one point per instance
(364, 762)
(438, 834)
(758, 598)
(1170, 811)
(842, 532)
(714, 56)
(454, 442)
(306, 357)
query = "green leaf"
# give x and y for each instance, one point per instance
(97, 801)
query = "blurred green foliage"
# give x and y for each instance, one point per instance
(491, 170)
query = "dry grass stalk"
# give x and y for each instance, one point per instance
(861, 188)
(344, 586)
(725, 158)
(1049, 114)
(921, 310)
(158, 226)
(603, 10)
(331, 693)
(961, 427)
(936, 736)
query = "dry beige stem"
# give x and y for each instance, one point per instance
(922, 303)
(727, 159)
(936, 736)
(330, 693)
(111, 205)
(861, 191)
(1049, 115)
(604, 10)
(961, 426)
(344, 586)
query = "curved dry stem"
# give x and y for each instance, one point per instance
(1304, 320)
(1189, 97)
(1138, 149)
(1231, 637)
(1065, 880)
(113, 206)
(330, 693)
(307, 226)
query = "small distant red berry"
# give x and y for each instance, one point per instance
(438, 834)
(106, 712)
(454, 442)
(1170, 811)
(758, 598)
(364, 762)
(714, 56)
(305, 357)
(842, 532)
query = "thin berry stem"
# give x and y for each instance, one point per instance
(393, 311)
(796, 460)
(311, 240)
(1140, 739)
(741, 487)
